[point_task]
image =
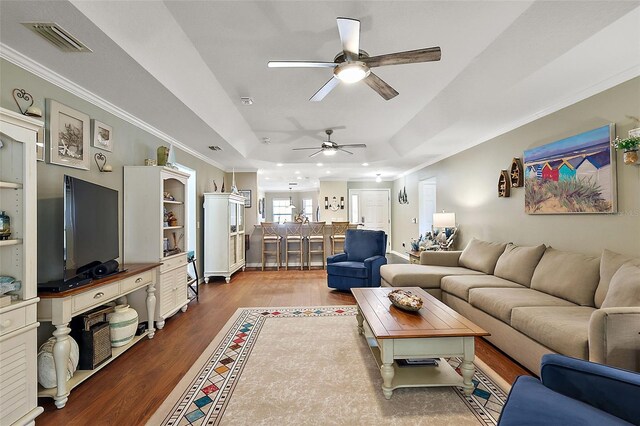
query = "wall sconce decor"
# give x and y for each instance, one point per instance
(326, 203)
(402, 196)
(341, 203)
(24, 100)
(101, 162)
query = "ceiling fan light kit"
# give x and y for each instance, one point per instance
(353, 65)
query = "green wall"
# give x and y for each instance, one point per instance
(467, 185)
(131, 146)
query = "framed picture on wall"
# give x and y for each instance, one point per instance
(573, 175)
(68, 136)
(246, 193)
(102, 135)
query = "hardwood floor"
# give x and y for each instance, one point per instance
(133, 386)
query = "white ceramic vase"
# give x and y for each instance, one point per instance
(123, 323)
(47, 367)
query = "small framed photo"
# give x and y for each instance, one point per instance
(246, 193)
(102, 135)
(68, 136)
(40, 145)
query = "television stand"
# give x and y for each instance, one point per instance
(59, 308)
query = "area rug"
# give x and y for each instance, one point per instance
(310, 366)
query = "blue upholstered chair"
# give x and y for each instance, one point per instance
(359, 265)
(574, 392)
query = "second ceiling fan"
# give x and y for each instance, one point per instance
(329, 147)
(352, 64)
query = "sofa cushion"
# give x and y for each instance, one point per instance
(571, 276)
(481, 255)
(348, 269)
(518, 263)
(563, 329)
(459, 285)
(425, 276)
(361, 244)
(609, 264)
(499, 302)
(624, 289)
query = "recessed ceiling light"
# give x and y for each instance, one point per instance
(328, 172)
(260, 171)
(279, 164)
(267, 178)
(299, 177)
(365, 164)
(297, 172)
(319, 164)
(378, 178)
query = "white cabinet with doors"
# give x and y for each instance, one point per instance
(156, 206)
(18, 321)
(224, 230)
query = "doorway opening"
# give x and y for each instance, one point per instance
(426, 205)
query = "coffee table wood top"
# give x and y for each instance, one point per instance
(434, 319)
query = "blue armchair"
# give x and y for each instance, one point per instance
(574, 392)
(359, 265)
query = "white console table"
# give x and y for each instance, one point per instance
(59, 308)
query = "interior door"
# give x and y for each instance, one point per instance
(373, 210)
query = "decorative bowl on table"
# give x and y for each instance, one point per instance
(405, 300)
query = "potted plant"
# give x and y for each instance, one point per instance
(630, 147)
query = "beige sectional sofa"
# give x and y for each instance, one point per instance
(537, 300)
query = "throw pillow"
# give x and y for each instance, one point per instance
(610, 263)
(518, 263)
(481, 255)
(624, 288)
(571, 276)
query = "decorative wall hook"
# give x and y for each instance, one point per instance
(101, 158)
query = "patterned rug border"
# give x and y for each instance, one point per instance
(216, 371)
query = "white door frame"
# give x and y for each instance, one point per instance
(388, 206)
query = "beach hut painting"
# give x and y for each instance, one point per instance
(572, 175)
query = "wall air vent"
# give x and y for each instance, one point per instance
(215, 148)
(58, 36)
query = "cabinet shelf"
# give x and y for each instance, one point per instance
(172, 202)
(10, 185)
(82, 375)
(10, 242)
(173, 227)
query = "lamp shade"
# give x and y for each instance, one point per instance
(444, 220)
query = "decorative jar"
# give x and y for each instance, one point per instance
(47, 367)
(123, 323)
(630, 156)
(5, 226)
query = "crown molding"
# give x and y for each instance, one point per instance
(39, 70)
(580, 95)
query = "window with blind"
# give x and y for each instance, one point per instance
(281, 210)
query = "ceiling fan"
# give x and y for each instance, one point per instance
(329, 147)
(352, 64)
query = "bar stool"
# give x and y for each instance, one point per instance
(293, 236)
(338, 232)
(316, 236)
(270, 235)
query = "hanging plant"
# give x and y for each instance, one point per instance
(630, 147)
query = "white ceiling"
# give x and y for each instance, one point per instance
(182, 66)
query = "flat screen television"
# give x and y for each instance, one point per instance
(90, 226)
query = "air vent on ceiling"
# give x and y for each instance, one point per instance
(293, 183)
(58, 36)
(215, 148)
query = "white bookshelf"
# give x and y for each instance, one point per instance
(18, 321)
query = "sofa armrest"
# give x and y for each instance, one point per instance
(440, 258)
(614, 337)
(340, 257)
(609, 389)
(374, 263)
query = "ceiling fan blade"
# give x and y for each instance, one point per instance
(300, 64)
(344, 150)
(315, 153)
(324, 90)
(353, 145)
(349, 30)
(383, 89)
(409, 57)
(301, 149)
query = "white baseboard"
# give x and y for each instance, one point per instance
(402, 255)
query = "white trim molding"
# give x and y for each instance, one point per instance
(402, 255)
(39, 70)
